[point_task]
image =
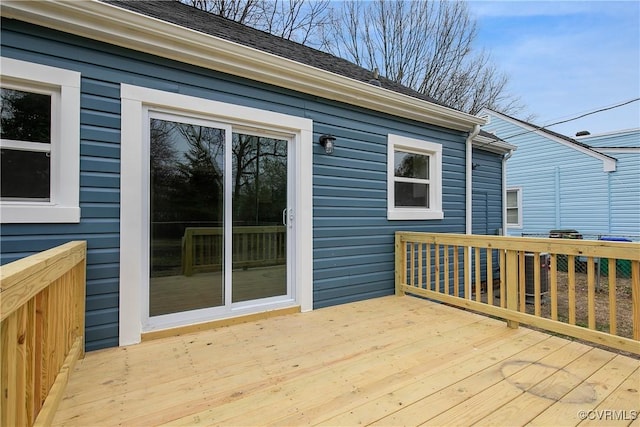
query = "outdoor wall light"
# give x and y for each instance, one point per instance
(327, 142)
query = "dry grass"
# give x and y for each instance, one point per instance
(624, 313)
(624, 304)
(624, 307)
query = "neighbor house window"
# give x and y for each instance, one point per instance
(414, 182)
(514, 207)
(39, 143)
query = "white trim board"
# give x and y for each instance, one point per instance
(617, 150)
(492, 145)
(134, 195)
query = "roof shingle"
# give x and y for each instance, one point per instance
(195, 19)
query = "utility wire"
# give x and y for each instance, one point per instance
(621, 104)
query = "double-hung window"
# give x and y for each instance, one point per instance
(414, 179)
(514, 207)
(39, 143)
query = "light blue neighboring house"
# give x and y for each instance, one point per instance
(590, 184)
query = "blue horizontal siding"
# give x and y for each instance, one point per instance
(561, 186)
(628, 138)
(105, 287)
(350, 207)
(333, 244)
(487, 192)
(105, 150)
(353, 240)
(99, 180)
(93, 133)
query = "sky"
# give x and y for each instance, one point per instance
(567, 58)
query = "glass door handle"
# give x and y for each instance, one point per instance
(287, 221)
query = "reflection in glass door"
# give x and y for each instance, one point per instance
(259, 205)
(187, 216)
(218, 211)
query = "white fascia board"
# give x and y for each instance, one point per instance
(111, 24)
(617, 150)
(610, 133)
(608, 163)
(492, 145)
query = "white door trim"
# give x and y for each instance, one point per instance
(134, 234)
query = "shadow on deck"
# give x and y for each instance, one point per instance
(386, 361)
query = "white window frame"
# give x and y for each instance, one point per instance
(426, 148)
(64, 86)
(136, 102)
(518, 191)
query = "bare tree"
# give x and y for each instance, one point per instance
(297, 20)
(426, 45)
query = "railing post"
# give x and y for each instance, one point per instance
(401, 263)
(512, 285)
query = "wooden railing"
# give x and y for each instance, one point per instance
(202, 248)
(518, 279)
(42, 301)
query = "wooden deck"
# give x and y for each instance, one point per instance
(387, 361)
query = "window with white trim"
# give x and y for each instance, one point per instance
(514, 207)
(39, 143)
(414, 179)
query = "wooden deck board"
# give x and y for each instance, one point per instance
(390, 361)
(538, 401)
(515, 380)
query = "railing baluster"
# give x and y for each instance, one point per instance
(446, 269)
(30, 341)
(571, 273)
(536, 283)
(266, 246)
(478, 275)
(553, 278)
(503, 285)
(456, 270)
(512, 284)
(489, 276)
(436, 267)
(420, 269)
(428, 259)
(613, 315)
(38, 397)
(591, 293)
(412, 280)
(521, 281)
(467, 272)
(10, 398)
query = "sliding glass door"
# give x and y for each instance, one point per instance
(219, 216)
